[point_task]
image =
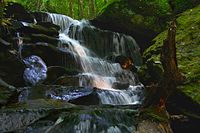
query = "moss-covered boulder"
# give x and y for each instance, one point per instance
(141, 19)
(188, 50)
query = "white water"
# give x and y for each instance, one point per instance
(97, 72)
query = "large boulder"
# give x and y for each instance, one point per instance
(141, 19)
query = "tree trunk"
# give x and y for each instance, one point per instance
(93, 8)
(38, 5)
(171, 77)
(88, 8)
(71, 8)
(80, 9)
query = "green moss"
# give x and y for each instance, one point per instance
(40, 103)
(153, 114)
(188, 49)
(192, 89)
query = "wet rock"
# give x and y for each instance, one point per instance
(68, 93)
(4, 84)
(49, 25)
(56, 58)
(30, 28)
(5, 95)
(68, 81)
(54, 72)
(4, 44)
(43, 38)
(65, 93)
(36, 69)
(20, 116)
(117, 85)
(96, 119)
(40, 16)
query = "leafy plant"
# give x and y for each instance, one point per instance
(3, 21)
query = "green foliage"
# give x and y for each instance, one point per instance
(63, 7)
(1, 9)
(182, 5)
(3, 21)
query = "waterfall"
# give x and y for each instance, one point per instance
(96, 71)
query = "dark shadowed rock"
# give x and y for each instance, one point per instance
(39, 29)
(68, 81)
(11, 69)
(6, 94)
(40, 16)
(51, 55)
(18, 12)
(43, 38)
(54, 72)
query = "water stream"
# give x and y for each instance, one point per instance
(96, 71)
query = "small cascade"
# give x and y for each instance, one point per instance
(105, 43)
(97, 72)
(63, 21)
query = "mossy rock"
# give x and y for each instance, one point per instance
(188, 50)
(141, 19)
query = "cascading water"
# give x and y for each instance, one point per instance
(97, 72)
